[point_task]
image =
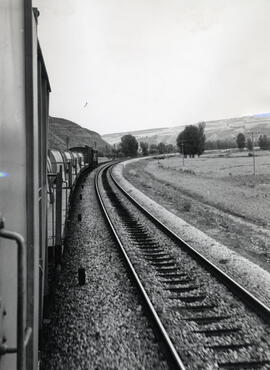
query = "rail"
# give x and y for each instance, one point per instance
(173, 358)
(250, 300)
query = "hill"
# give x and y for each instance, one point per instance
(63, 131)
(218, 129)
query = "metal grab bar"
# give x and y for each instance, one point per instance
(22, 335)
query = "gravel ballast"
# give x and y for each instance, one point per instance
(247, 273)
(99, 325)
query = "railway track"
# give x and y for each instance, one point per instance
(203, 318)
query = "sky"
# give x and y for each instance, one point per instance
(122, 65)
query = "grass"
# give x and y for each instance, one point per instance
(217, 165)
(225, 182)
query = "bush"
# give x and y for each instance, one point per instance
(241, 141)
(264, 142)
(249, 144)
(186, 205)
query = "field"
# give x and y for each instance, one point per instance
(218, 193)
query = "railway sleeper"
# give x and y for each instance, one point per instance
(194, 308)
(163, 263)
(159, 258)
(181, 289)
(241, 365)
(151, 253)
(230, 346)
(189, 298)
(147, 245)
(205, 320)
(217, 332)
(140, 239)
(177, 281)
(171, 275)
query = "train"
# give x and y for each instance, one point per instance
(36, 186)
(64, 169)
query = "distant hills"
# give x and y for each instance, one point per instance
(214, 130)
(63, 132)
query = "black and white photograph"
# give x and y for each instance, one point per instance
(134, 184)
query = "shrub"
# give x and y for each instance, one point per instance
(264, 142)
(186, 205)
(241, 141)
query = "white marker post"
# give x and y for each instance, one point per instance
(253, 154)
(182, 145)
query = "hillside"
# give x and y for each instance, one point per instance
(218, 129)
(62, 130)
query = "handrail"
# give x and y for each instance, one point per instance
(22, 335)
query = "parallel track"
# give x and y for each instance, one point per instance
(174, 359)
(178, 283)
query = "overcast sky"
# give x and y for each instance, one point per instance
(119, 65)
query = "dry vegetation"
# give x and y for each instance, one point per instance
(217, 193)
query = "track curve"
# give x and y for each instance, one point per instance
(181, 285)
(174, 359)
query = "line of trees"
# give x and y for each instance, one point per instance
(220, 144)
(240, 142)
(160, 148)
(263, 142)
(190, 142)
(130, 147)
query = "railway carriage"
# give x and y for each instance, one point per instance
(24, 96)
(35, 188)
(90, 155)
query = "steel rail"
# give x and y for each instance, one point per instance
(174, 360)
(248, 298)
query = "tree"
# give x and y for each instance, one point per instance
(241, 141)
(153, 149)
(249, 144)
(161, 148)
(169, 148)
(201, 144)
(144, 147)
(264, 142)
(191, 140)
(116, 151)
(129, 145)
